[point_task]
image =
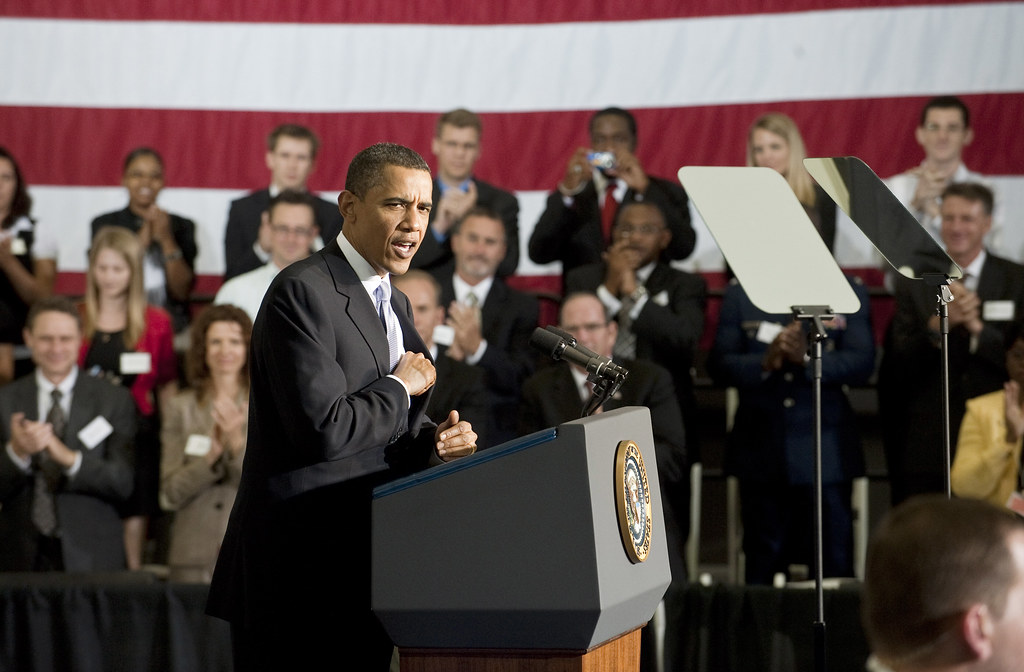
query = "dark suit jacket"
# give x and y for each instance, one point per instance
(460, 387)
(326, 424)
(670, 324)
(508, 318)
(433, 254)
(243, 229)
(92, 537)
(550, 397)
(573, 236)
(909, 384)
(772, 438)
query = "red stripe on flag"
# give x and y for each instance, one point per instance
(441, 12)
(521, 151)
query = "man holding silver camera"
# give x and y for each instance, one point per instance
(575, 227)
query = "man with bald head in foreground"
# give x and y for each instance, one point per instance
(944, 587)
(340, 380)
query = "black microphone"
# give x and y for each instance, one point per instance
(558, 344)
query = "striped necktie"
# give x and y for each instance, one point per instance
(390, 322)
(47, 474)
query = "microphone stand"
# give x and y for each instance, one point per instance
(604, 388)
(606, 380)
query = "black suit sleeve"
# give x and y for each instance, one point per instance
(328, 220)
(667, 426)
(510, 360)
(677, 326)
(242, 232)
(239, 235)
(554, 229)
(506, 205)
(335, 404)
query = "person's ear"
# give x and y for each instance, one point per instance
(978, 629)
(346, 203)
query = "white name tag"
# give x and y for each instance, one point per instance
(444, 334)
(767, 331)
(661, 298)
(198, 445)
(997, 311)
(94, 433)
(18, 246)
(135, 363)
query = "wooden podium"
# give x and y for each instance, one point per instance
(526, 556)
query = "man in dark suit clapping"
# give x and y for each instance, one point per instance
(68, 461)
(492, 322)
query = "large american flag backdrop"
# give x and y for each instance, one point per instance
(84, 81)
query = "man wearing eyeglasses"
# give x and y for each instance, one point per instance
(556, 394)
(943, 132)
(292, 222)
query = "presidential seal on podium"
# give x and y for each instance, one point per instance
(633, 501)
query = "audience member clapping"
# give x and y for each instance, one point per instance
(987, 464)
(203, 438)
(28, 265)
(130, 343)
(168, 240)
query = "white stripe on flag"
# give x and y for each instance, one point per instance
(663, 63)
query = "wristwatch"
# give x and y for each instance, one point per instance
(638, 293)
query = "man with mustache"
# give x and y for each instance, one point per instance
(492, 322)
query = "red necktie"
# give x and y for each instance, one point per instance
(608, 211)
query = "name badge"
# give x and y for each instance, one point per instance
(94, 433)
(198, 445)
(18, 246)
(136, 363)
(767, 331)
(997, 311)
(444, 334)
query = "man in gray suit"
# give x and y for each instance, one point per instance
(68, 462)
(339, 383)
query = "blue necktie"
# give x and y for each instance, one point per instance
(390, 322)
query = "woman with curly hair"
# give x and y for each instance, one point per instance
(203, 439)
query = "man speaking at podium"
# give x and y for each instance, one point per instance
(339, 381)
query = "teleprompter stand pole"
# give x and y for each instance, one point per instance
(813, 316)
(943, 297)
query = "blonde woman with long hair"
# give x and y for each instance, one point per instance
(130, 343)
(774, 141)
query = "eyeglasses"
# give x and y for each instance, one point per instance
(283, 230)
